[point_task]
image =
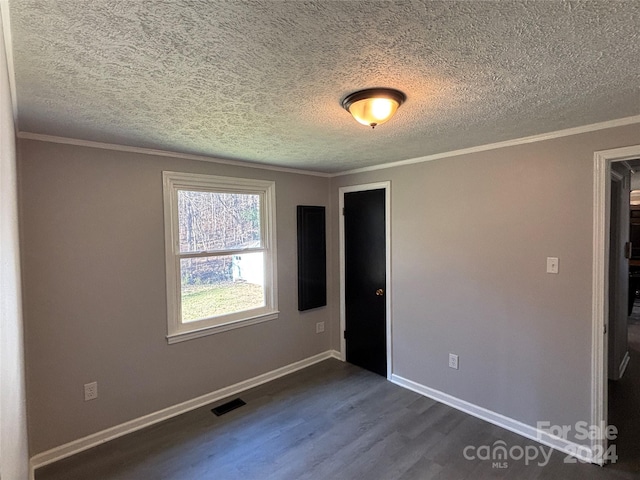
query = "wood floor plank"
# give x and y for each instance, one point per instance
(330, 421)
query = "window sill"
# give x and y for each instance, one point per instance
(223, 327)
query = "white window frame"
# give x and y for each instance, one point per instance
(178, 331)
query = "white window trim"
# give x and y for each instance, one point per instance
(174, 181)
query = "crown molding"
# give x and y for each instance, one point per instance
(163, 153)
(619, 122)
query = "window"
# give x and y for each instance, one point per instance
(220, 253)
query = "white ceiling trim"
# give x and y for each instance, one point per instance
(162, 153)
(8, 47)
(620, 122)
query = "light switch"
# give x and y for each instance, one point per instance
(552, 264)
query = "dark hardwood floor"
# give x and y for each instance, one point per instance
(624, 403)
(330, 421)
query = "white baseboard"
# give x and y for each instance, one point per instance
(582, 452)
(623, 364)
(77, 446)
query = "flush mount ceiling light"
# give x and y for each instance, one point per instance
(373, 106)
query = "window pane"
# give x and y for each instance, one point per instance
(210, 221)
(214, 286)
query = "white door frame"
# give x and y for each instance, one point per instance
(387, 205)
(602, 161)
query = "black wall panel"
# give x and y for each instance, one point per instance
(312, 257)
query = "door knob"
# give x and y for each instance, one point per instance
(379, 292)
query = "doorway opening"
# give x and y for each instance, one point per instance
(365, 280)
(610, 290)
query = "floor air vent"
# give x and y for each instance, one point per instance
(227, 407)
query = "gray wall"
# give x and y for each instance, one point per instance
(470, 237)
(14, 460)
(95, 302)
(618, 273)
(635, 181)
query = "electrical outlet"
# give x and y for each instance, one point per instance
(453, 361)
(90, 391)
(319, 327)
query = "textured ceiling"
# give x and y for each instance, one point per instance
(262, 81)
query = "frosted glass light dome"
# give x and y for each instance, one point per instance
(374, 106)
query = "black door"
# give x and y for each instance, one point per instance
(365, 280)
